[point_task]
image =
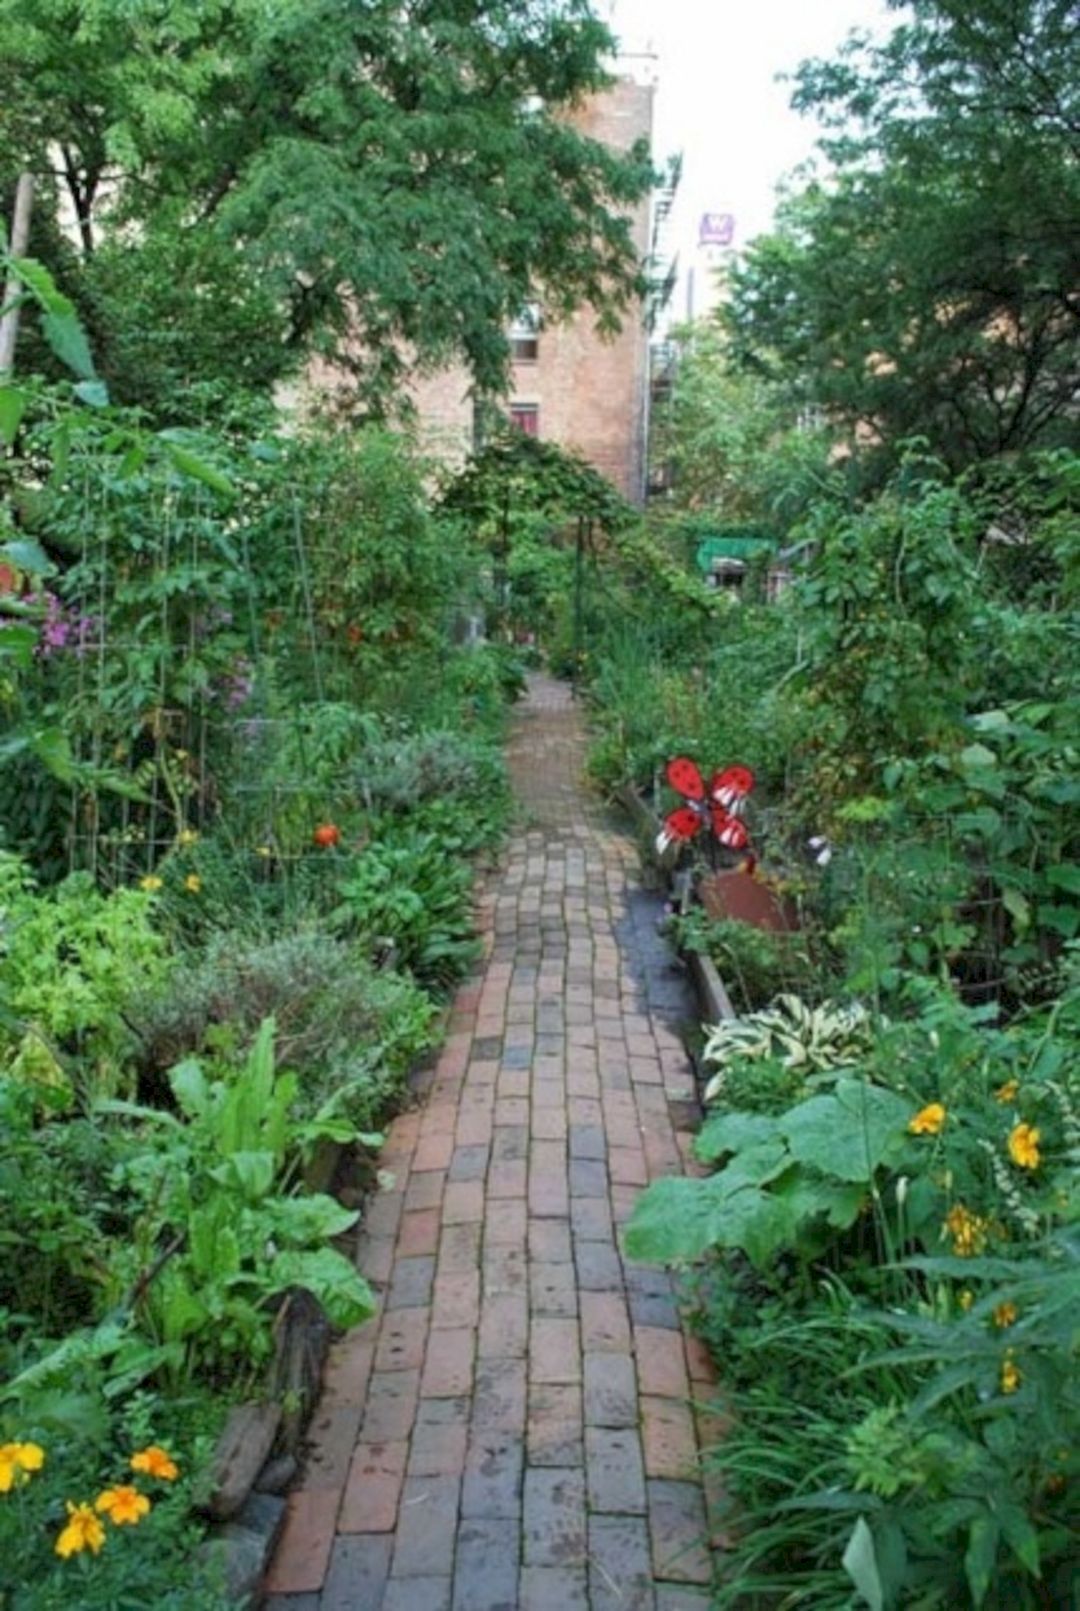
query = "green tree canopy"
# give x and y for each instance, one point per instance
(734, 442)
(403, 173)
(929, 282)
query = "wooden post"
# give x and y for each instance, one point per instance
(20, 235)
(579, 602)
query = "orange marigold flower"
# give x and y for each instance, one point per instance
(1007, 1092)
(124, 1505)
(17, 1461)
(83, 1531)
(929, 1121)
(1024, 1146)
(155, 1463)
(1005, 1314)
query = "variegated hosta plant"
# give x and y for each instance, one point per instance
(802, 1039)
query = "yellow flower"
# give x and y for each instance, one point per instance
(1010, 1375)
(17, 1461)
(1024, 1146)
(83, 1531)
(193, 883)
(1005, 1314)
(186, 838)
(966, 1299)
(1007, 1092)
(150, 883)
(929, 1121)
(264, 850)
(124, 1505)
(156, 1463)
(967, 1230)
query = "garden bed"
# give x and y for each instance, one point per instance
(272, 896)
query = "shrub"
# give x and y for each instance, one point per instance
(71, 957)
(755, 963)
(407, 891)
(351, 1033)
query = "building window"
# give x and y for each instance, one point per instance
(526, 416)
(524, 335)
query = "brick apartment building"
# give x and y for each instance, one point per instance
(568, 384)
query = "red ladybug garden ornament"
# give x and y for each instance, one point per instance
(716, 807)
(327, 835)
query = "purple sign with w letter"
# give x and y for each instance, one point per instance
(716, 229)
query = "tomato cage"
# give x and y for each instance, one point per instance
(185, 672)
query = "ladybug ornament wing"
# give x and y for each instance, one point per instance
(733, 834)
(731, 786)
(682, 823)
(685, 778)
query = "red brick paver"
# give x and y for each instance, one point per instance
(515, 1428)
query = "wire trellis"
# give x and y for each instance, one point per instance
(191, 702)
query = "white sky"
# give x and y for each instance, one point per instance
(718, 100)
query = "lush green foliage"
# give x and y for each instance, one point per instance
(756, 963)
(884, 1250)
(237, 708)
(70, 960)
(406, 176)
(730, 443)
(925, 283)
(937, 1130)
(349, 1032)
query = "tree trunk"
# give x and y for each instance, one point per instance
(20, 235)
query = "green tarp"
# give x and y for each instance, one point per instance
(714, 548)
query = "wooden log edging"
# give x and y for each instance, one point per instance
(716, 1007)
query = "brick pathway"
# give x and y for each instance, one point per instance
(515, 1430)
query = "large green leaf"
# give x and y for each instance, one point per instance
(12, 407)
(330, 1278)
(860, 1564)
(190, 1088)
(27, 555)
(731, 1132)
(251, 1172)
(304, 1220)
(757, 1222)
(673, 1220)
(1020, 1535)
(190, 464)
(52, 747)
(756, 1166)
(17, 644)
(849, 1132)
(983, 1536)
(94, 393)
(40, 283)
(678, 1220)
(182, 1311)
(810, 1198)
(67, 338)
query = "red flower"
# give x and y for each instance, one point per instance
(326, 835)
